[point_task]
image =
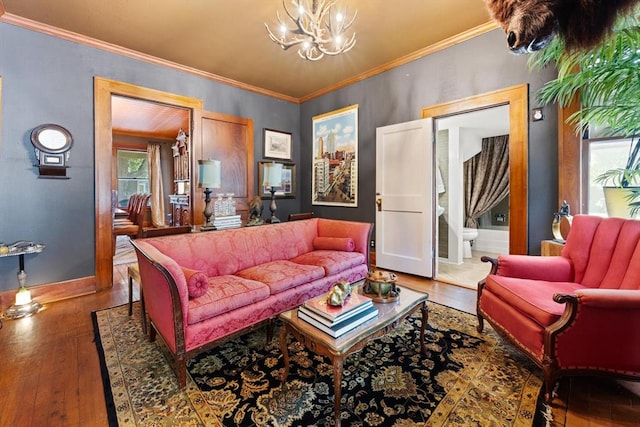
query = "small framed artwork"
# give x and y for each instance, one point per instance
(287, 189)
(277, 144)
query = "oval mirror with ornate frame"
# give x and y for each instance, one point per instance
(52, 144)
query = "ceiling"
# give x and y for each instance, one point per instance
(147, 119)
(227, 39)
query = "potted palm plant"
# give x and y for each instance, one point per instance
(607, 81)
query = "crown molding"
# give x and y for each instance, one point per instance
(436, 47)
(113, 48)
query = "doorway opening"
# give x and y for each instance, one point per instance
(514, 101)
(472, 217)
(105, 123)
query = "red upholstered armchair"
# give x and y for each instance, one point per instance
(574, 314)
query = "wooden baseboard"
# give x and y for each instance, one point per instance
(52, 292)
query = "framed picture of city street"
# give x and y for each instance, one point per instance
(335, 158)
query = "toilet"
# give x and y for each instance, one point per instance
(468, 234)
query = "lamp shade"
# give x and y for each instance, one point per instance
(209, 173)
(272, 175)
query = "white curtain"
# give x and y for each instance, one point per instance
(155, 181)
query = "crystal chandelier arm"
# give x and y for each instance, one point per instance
(346, 47)
(342, 26)
(300, 29)
(317, 32)
(300, 33)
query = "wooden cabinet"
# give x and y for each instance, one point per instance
(230, 140)
(551, 248)
(179, 200)
(180, 210)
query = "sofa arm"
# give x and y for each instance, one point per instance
(359, 232)
(613, 299)
(165, 293)
(549, 268)
(599, 330)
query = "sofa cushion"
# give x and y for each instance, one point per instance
(334, 244)
(331, 261)
(224, 294)
(282, 275)
(533, 298)
(197, 282)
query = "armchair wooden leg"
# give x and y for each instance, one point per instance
(550, 378)
(480, 326)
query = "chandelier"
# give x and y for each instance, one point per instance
(318, 30)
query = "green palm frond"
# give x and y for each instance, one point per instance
(607, 81)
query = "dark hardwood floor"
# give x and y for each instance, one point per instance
(50, 373)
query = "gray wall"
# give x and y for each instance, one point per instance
(50, 80)
(477, 66)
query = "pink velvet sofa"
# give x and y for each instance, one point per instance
(574, 314)
(201, 288)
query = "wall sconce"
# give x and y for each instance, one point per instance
(537, 114)
(273, 180)
(52, 144)
(208, 177)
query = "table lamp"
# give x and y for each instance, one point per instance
(208, 178)
(273, 180)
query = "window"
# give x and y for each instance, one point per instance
(602, 155)
(133, 174)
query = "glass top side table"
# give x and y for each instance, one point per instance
(24, 305)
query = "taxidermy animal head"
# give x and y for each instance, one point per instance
(531, 24)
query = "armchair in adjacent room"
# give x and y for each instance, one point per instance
(574, 314)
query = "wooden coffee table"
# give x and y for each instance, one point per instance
(337, 349)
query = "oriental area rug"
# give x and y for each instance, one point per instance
(465, 379)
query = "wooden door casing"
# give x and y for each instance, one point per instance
(517, 97)
(104, 89)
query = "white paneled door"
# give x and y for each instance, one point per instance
(404, 202)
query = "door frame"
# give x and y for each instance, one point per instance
(104, 89)
(517, 97)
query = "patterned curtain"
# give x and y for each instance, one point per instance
(155, 182)
(486, 178)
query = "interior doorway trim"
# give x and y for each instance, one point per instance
(104, 89)
(517, 97)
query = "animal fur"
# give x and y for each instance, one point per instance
(582, 24)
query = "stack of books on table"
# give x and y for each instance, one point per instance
(338, 320)
(229, 221)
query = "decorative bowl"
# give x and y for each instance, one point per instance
(381, 286)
